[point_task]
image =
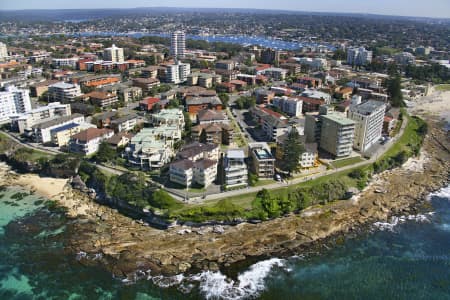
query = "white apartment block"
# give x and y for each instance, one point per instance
(42, 132)
(113, 54)
(65, 62)
(13, 101)
(62, 91)
(337, 135)
(186, 172)
(3, 51)
(313, 63)
(178, 44)
(369, 118)
(88, 141)
(359, 56)
(235, 168)
(290, 106)
(24, 121)
(178, 73)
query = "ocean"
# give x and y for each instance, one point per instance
(406, 258)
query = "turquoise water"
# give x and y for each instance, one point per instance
(403, 259)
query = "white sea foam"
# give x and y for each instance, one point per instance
(442, 193)
(166, 282)
(389, 226)
(215, 285)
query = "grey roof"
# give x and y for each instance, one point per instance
(194, 149)
(124, 119)
(366, 108)
(204, 100)
(62, 85)
(56, 121)
(236, 153)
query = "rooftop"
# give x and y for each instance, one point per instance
(62, 85)
(90, 134)
(236, 154)
(337, 118)
(64, 127)
(368, 107)
(57, 121)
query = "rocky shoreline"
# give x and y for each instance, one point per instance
(99, 235)
(125, 246)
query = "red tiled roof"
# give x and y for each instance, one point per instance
(271, 112)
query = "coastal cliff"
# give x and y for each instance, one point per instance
(125, 246)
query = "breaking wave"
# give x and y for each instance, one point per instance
(442, 193)
(215, 285)
(389, 226)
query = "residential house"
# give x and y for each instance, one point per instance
(102, 99)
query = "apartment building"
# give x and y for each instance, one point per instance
(113, 54)
(65, 62)
(275, 73)
(24, 121)
(177, 73)
(178, 44)
(152, 148)
(337, 134)
(235, 169)
(13, 101)
(172, 116)
(194, 105)
(263, 163)
(102, 99)
(126, 123)
(369, 117)
(196, 164)
(61, 135)
(40, 88)
(359, 56)
(3, 51)
(289, 105)
(42, 132)
(145, 84)
(88, 141)
(215, 133)
(62, 91)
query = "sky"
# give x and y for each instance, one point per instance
(420, 8)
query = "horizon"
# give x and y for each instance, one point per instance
(414, 9)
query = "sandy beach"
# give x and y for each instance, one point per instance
(436, 104)
(55, 189)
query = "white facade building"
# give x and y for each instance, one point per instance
(359, 56)
(236, 173)
(178, 44)
(13, 101)
(3, 51)
(65, 62)
(369, 118)
(88, 141)
(177, 73)
(291, 106)
(62, 91)
(113, 54)
(24, 121)
(42, 132)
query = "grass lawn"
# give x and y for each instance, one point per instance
(346, 162)
(443, 87)
(409, 136)
(264, 182)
